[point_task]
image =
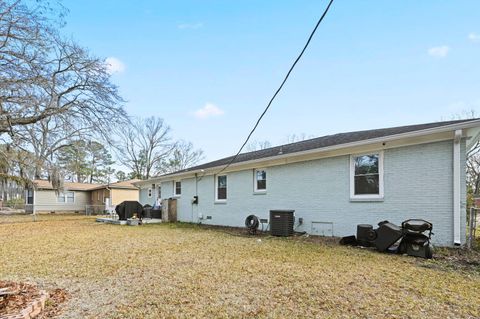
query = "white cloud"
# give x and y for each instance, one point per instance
(439, 52)
(474, 37)
(114, 65)
(192, 26)
(209, 110)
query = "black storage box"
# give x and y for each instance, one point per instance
(156, 213)
(281, 222)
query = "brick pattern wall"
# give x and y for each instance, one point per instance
(418, 183)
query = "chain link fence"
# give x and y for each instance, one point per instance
(472, 226)
(32, 213)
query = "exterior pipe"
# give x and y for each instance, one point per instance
(456, 188)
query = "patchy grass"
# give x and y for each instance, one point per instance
(193, 272)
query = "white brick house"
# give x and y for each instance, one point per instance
(336, 182)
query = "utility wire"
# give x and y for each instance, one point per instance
(280, 87)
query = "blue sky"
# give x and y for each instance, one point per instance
(209, 67)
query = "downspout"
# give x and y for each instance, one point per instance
(456, 188)
(34, 209)
(110, 192)
(196, 194)
(197, 179)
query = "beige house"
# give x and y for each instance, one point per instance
(78, 197)
(115, 193)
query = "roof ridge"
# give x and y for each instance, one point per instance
(323, 141)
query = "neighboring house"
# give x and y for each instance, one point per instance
(75, 197)
(336, 182)
(115, 193)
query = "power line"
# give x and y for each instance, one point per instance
(280, 87)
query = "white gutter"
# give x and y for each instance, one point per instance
(456, 188)
(440, 129)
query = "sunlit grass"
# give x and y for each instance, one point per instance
(185, 271)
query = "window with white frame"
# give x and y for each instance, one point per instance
(221, 188)
(66, 197)
(366, 176)
(149, 192)
(260, 180)
(177, 188)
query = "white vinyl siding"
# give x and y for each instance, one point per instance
(66, 197)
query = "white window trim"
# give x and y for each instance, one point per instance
(175, 188)
(65, 197)
(217, 200)
(255, 189)
(367, 197)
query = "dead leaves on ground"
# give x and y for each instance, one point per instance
(156, 271)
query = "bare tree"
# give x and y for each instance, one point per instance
(183, 156)
(293, 138)
(473, 169)
(43, 75)
(45, 139)
(51, 89)
(144, 145)
(257, 145)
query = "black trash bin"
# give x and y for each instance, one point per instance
(147, 211)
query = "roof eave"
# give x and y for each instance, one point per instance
(440, 129)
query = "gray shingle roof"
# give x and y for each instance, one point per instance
(321, 142)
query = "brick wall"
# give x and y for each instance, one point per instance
(417, 181)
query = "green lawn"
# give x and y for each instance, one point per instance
(175, 270)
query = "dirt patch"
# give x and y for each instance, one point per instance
(454, 259)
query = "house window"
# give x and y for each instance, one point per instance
(159, 194)
(221, 188)
(260, 180)
(366, 176)
(66, 197)
(177, 188)
(149, 193)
